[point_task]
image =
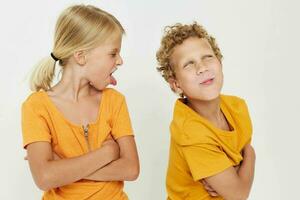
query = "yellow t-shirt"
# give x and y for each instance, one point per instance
(42, 121)
(198, 149)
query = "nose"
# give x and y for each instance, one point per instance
(119, 61)
(200, 68)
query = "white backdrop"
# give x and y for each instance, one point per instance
(260, 43)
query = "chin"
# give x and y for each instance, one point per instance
(205, 97)
(100, 87)
(209, 97)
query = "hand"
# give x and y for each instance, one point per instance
(209, 189)
(112, 146)
(248, 150)
(237, 168)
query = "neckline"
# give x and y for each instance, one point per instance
(56, 110)
(210, 124)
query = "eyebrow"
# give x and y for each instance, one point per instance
(186, 62)
(114, 50)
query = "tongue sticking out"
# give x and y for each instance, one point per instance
(113, 81)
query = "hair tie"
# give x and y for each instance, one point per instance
(54, 58)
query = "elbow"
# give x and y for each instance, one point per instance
(43, 182)
(237, 197)
(132, 176)
(243, 194)
(133, 172)
(240, 192)
(242, 197)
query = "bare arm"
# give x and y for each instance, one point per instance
(234, 184)
(49, 173)
(211, 190)
(126, 168)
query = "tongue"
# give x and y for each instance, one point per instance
(113, 81)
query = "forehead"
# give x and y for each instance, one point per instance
(189, 46)
(112, 42)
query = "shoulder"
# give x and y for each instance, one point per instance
(35, 99)
(187, 128)
(234, 103)
(114, 100)
(35, 104)
(112, 93)
(239, 111)
(232, 100)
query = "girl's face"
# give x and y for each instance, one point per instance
(198, 71)
(102, 61)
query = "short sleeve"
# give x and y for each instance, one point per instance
(34, 125)
(121, 121)
(205, 160)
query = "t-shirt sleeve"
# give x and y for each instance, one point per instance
(34, 125)
(205, 160)
(121, 121)
(202, 151)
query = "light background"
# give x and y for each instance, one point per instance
(260, 43)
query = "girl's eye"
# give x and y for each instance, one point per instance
(207, 56)
(113, 54)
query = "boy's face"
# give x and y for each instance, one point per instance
(198, 71)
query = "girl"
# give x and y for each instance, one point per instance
(78, 133)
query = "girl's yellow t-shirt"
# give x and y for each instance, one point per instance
(42, 121)
(198, 149)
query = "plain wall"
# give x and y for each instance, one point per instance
(260, 43)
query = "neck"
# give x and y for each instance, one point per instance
(72, 86)
(208, 109)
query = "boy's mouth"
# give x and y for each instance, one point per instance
(207, 81)
(113, 81)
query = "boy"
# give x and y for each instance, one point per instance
(210, 152)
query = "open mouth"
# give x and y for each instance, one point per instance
(113, 81)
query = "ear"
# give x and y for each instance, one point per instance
(175, 86)
(80, 57)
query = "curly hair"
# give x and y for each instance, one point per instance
(176, 35)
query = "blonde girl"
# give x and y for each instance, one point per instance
(78, 133)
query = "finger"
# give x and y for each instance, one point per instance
(209, 189)
(25, 158)
(205, 183)
(214, 194)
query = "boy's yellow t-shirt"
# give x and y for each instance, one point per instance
(198, 149)
(42, 121)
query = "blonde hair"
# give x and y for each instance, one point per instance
(175, 35)
(79, 27)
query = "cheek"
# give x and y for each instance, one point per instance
(187, 81)
(99, 67)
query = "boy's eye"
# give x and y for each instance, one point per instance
(190, 63)
(113, 54)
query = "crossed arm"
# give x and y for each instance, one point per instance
(115, 160)
(233, 183)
